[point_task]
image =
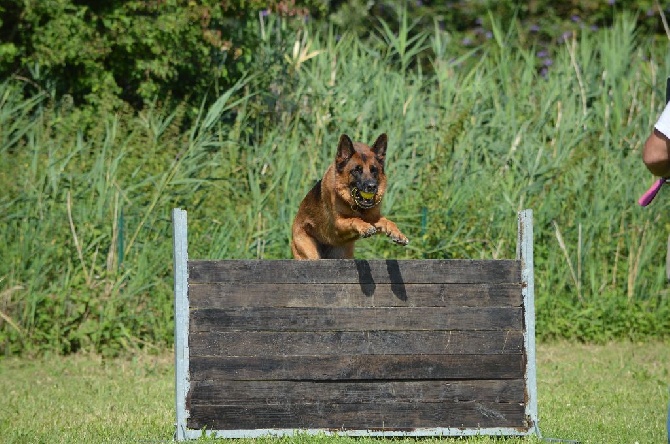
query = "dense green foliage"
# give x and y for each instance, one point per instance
(477, 132)
(102, 53)
(107, 54)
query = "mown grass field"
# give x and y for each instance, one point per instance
(615, 393)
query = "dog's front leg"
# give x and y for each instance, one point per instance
(351, 227)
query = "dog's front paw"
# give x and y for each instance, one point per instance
(399, 238)
(391, 230)
(368, 232)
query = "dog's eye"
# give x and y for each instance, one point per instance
(373, 170)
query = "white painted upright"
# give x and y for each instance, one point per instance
(180, 246)
(524, 253)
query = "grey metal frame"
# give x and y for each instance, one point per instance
(182, 379)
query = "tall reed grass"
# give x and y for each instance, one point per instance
(474, 137)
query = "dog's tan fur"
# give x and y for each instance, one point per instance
(335, 214)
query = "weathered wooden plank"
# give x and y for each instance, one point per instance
(252, 343)
(356, 271)
(361, 367)
(356, 319)
(384, 416)
(245, 294)
(313, 392)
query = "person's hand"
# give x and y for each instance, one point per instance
(656, 154)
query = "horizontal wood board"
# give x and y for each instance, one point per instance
(333, 369)
(241, 393)
(272, 319)
(337, 271)
(247, 294)
(331, 416)
(344, 344)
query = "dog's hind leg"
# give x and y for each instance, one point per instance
(304, 246)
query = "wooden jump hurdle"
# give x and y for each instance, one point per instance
(355, 347)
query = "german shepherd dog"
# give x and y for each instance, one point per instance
(344, 205)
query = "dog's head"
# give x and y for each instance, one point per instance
(360, 171)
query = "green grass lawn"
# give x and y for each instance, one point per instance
(616, 393)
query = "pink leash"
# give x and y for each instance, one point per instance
(652, 192)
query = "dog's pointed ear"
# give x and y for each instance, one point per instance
(345, 149)
(379, 147)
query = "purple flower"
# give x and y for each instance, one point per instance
(467, 41)
(547, 62)
(542, 54)
(265, 12)
(565, 36)
(610, 2)
(534, 28)
(594, 27)
(489, 34)
(576, 18)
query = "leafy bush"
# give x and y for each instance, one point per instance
(135, 51)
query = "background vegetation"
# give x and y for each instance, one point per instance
(109, 118)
